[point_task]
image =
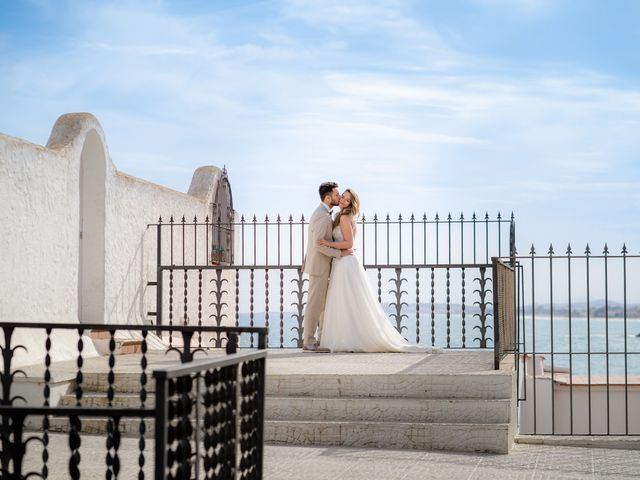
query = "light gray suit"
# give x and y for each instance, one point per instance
(317, 263)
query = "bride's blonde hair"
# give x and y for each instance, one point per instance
(353, 210)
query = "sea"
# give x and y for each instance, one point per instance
(585, 345)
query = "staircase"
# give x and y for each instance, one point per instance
(446, 412)
(468, 408)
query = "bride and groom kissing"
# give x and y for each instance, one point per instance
(342, 312)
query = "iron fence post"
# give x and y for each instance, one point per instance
(162, 393)
(261, 392)
(496, 314)
(159, 278)
(232, 343)
(512, 241)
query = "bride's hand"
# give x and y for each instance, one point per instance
(323, 243)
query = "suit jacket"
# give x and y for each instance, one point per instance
(318, 259)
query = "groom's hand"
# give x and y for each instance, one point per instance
(348, 251)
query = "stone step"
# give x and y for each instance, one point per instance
(393, 435)
(388, 409)
(457, 410)
(485, 385)
(123, 382)
(98, 426)
(99, 399)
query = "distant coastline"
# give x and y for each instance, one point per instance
(597, 310)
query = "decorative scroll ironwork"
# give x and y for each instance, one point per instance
(266, 246)
(218, 304)
(483, 303)
(397, 304)
(299, 305)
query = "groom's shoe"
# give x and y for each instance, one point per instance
(315, 348)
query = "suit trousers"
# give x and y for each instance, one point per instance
(314, 313)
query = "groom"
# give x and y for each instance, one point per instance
(317, 264)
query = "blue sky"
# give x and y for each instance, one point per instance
(530, 106)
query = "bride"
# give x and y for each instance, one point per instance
(353, 319)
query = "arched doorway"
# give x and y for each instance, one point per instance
(222, 218)
(91, 268)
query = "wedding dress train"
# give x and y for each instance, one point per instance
(353, 319)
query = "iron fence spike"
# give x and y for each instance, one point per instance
(424, 217)
(278, 219)
(449, 216)
(302, 218)
(533, 250)
(160, 219)
(437, 217)
(183, 219)
(473, 217)
(486, 215)
(195, 219)
(363, 218)
(624, 249)
(400, 217)
(375, 217)
(461, 215)
(266, 218)
(388, 217)
(606, 249)
(550, 252)
(290, 218)
(569, 249)
(242, 218)
(254, 218)
(587, 250)
(499, 216)
(512, 217)
(206, 220)
(412, 217)
(171, 219)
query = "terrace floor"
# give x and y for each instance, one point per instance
(322, 463)
(294, 361)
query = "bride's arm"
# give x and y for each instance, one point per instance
(346, 226)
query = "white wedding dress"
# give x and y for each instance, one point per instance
(353, 319)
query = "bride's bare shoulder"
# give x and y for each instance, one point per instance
(348, 220)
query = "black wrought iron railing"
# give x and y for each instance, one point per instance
(382, 240)
(186, 342)
(432, 276)
(578, 333)
(210, 418)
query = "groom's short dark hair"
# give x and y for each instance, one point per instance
(326, 188)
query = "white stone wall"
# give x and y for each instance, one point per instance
(75, 243)
(554, 416)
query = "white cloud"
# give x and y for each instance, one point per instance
(522, 6)
(408, 126)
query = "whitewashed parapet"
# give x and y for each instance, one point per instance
(75, 242)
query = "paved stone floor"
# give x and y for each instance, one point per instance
(294, 361)
(317, 463)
